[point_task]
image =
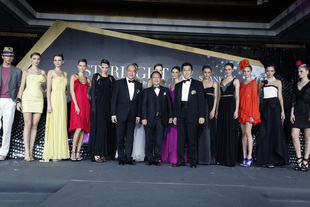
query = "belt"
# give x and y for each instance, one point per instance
(229, 95)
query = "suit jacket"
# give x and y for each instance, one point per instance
(14, 81)
(149, 108)
(195, 101)
(121, 105)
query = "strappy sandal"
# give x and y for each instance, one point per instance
(298, 163)
(78, 158)
(243, 162)
(72, 158)
(304, 167)
(103, 159)
(98, 158)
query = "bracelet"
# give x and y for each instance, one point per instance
(18, 100)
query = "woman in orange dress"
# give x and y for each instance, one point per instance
(248, 111)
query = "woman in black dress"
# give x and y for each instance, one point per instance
(300, 116)
(102, 134)
(227, 119)
(207, 131)
(270, 140)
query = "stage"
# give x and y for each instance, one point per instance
(88, 184)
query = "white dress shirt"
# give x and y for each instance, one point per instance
(131, 88)
(185, 89)
(157, 90)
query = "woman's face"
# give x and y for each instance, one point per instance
(175, 73)
(35, 60)
(206, 73)
(228, 70)
(302, 72)
(270, 71)
(247, 72)
(82, 67)
(58, 62)
(104, 68)
(159, 69)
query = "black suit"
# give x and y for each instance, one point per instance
(188, 114)
(156, 110)
(126, 111)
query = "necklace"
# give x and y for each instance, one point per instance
(271, 79)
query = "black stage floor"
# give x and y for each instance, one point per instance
(89, 184)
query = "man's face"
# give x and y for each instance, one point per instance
(131, 72)
(156, 79)
(187, 72)
(7, 59)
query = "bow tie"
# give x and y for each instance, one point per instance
(154, 87)
(184, 81)
(131, 81)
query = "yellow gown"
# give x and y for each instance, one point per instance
(32, 99)
(56, 132)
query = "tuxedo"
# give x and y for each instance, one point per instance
(156, 109)
(126, 110)
(188, 113)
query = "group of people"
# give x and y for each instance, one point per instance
(186, 121)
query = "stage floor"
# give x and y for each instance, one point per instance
(89, 184)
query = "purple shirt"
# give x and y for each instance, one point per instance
(5, 74)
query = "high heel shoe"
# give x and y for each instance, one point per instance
(304, 167)
(247, 163)
(243, 162)
(78, 158)
(298, 163)
(72, 158)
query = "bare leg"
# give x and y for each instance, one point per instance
(307, 148)
(27, 129)
(33, 135)
(80, 143)
(296, 142)
(244, 143)
(248, 131)
(74, 143)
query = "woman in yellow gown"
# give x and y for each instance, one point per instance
(56, 135)
(31, 104)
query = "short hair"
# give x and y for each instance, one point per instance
(104, 61)
(60, 55)
(206, 67)
(130, 65)
(83, 61)
(187, 64)
(230, 64)
(35, 53)
(158, 64)
(154, 73)
(177, 68)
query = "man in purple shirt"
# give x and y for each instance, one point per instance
(10, 78)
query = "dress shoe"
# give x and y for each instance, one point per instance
(121, 163)
(149, 163)
(130, 162)
(178, 164)
(157, 163)
(193, 166)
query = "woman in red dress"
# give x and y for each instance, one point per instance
(248, 111)
(80, 109)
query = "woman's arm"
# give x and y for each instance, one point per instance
(212, 113)
(72, 79)
(281, 100)
(21, 90)
(218, 100)
(259, 91)
(237, 88)
(48, 91)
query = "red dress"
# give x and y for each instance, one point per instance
(248, 103)
(83, 119)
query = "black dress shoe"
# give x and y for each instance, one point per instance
(157, 163)
(178, 164)
(149, 163)
(193, 166)
(130, 162)
(120, 162)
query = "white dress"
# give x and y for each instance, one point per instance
(138, 149)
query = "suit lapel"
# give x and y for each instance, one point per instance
(135, 90)
(190, 90)
(127, 89)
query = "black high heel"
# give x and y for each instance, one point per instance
(298, 164)
(304, 167)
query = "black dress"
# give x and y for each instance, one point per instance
(227, 127)
(206, 141)
(102, 140)
(270, 140)
(301, 104)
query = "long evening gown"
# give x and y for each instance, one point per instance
(102, 140)
(270, 141)
(56, 134)
(81, 121)
(227, 133)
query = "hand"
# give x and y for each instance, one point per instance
(49, 109)
(211, 114)
(251, 119)
(144, 122)
(201, 120)
(89, 98)
(77, 110)
(175, 121)
(114, 119)
(292, 118)
(19, 107)
(170, 120)
(137, 120)
(282, 115)
(236, 115)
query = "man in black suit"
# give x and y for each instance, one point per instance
(188, 112)
(156, 114)
(126, 111)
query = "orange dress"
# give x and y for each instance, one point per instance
(248, 103)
